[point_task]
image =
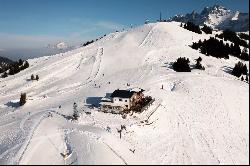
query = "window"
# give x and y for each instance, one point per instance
(126, 106)
(120, 99)
(126, 100)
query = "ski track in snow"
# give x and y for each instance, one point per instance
(94, 71)
(31, 135)
(146, 39)
(116, 154)
(80, 63)
(97, 64)
(26, 143)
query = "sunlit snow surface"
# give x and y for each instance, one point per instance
(200, 117)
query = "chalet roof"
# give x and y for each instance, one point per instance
(122, 94)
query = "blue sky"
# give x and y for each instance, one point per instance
(34, 23)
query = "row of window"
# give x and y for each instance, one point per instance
(124, 100)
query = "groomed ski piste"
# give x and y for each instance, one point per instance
(200, 117)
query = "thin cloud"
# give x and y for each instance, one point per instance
(26, 41)
(109, 25)
(89, 30)
(17, 41)
(85, 31)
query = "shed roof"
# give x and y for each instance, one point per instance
(107, 97)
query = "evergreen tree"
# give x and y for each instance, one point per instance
(182, 65)
(244, 36)
(229, 35)
(23, 99)
(204, 50)
(244, 55)
(37, 77)
(207, 29)
(236, 51)
(5, 75)
(32, 77)
(216, 48)
(239, 69)
(12, 71)
(192, 27)
(15, 67)
(20, 62)
(198, 64)
(242, 78)
(26, 65)
(199, 59)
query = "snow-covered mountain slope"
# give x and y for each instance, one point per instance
(200, 117)
(217, 17)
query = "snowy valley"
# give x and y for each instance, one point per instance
(201, 117)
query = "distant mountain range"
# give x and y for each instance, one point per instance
(59, 46)
(50, 49)
(217, 17)
(4, 62)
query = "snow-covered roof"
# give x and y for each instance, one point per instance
(107, 97)
(136, 90)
